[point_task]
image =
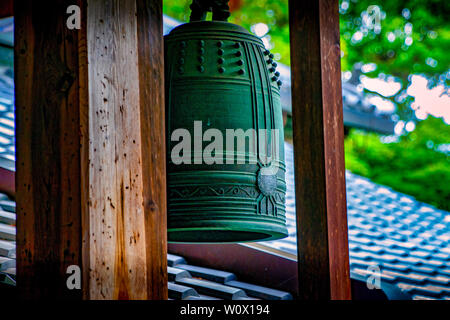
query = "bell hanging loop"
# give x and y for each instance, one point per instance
(219, 8)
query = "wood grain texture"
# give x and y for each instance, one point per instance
(152, 107)
(318, 130)
(83, 87)
(126, 151)
(47, 149)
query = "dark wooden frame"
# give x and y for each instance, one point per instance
(317, 119)
(48, 188)
(7, 8)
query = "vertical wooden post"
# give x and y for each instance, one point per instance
(323, 259)
(49, 99)
(6, 8)
(152, 108)
(127, 201)
(91, 150)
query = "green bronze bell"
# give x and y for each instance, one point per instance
(225, 139)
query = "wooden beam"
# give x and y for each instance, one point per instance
(6, 8)
(318, 130)
(48, 191)
(127, 155)
(89, 111)
(152, 108)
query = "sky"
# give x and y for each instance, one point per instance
(433, 101)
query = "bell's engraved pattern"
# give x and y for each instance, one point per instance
(251, 192)
(237, 191)
(277, 197)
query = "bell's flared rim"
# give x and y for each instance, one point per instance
(227, 232)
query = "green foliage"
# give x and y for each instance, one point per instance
(413, 165)
(424, 22)
(430, 32)
(274, 13)
(413, 37)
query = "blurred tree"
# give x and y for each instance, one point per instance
(417, 164)
(401, 37)
(398, 38)
(274, 13)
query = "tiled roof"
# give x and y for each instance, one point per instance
(7, 241)
(188, 282)
(197, 283)
(407, 239)
(7, 151)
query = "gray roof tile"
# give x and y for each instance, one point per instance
(7, 279)
(426, 291)
(212, 288)
(246, 298)
(7, 249)
(7, 263)
(175, 273)
(7, 232)
(260, 292)
(207, 273)
(7, 217)
(8, 205)
(201, 297)
(179, 292)
(173, 260)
